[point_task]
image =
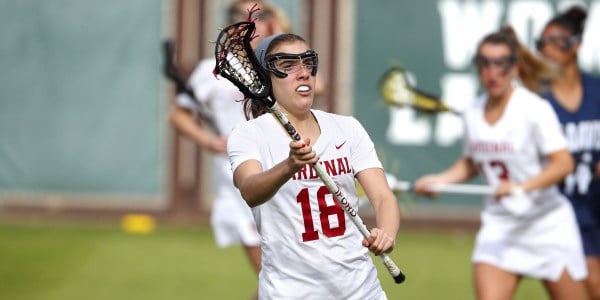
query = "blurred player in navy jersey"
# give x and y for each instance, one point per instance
(575, 96)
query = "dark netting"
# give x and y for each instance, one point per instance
(236, 61)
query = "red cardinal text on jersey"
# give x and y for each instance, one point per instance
(333, 167)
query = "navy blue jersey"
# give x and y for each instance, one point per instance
(582, 130)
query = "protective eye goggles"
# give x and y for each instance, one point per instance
(563, 42)
(503, 63)
(282, 64)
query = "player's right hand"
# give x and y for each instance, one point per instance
(301, 153)
(421, 184)
(218, 145)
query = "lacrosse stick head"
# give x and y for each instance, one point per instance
(397, 90)
(237, 62)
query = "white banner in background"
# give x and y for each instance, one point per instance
(464, 23)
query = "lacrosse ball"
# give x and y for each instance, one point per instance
(138, 223)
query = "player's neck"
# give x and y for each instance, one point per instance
(569, 77)
(307, 126)
(568, 89)
(499, 101)
(495, 106)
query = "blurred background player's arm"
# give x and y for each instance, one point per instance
(184, 122)
(462, 170)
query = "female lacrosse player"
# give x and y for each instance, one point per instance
(513, 138)
(231, 218)
(311, 249)
(575, 96)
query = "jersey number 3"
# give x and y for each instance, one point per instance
(325, 211)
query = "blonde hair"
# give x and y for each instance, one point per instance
(533, 69)
(274, 12)
(280, 18)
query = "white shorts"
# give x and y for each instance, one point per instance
(232, 220)
(541, 247)
(233, 224)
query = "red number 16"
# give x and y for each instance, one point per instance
(325, 210)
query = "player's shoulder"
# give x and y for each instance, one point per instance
(255, 124)
(525, 97)
(476, 107)
(204, 65)
(590, 77)
(203, 71)
(590, 82)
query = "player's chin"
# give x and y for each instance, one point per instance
(304, 104)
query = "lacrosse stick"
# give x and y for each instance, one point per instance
(398, 186)
(172, 72)
(236, 61)
(516, 203)
(455, 188)
(397, 91)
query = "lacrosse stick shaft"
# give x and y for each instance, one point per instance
(450, 188)
(172, 72)
(392, 268)
(470, 189)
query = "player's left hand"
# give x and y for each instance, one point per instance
(379, 242)
(507, 188)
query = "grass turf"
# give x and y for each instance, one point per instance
(99, 261)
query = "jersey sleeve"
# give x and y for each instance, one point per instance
(200, 82)
(363, 154)
(547, 131)
(243, 144)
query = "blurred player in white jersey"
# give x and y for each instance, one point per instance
(513, 138)
(311, 249)
(231, 219)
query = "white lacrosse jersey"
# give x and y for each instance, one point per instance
(218, 94)
(542, 241)
(231, 218)
(311, 249)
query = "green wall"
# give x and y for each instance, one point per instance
(80, 96)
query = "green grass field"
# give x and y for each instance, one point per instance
(100, 261)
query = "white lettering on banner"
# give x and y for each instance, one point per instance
(464, 23)
(566, 4)
(406, 128)
(459, 89)
(589, 54)
(528, 18)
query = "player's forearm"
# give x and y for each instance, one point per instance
(462, 170)
(259, 188)
(387, 216)
(560, 164)
(183, 121)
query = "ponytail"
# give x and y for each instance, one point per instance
(533, 69)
